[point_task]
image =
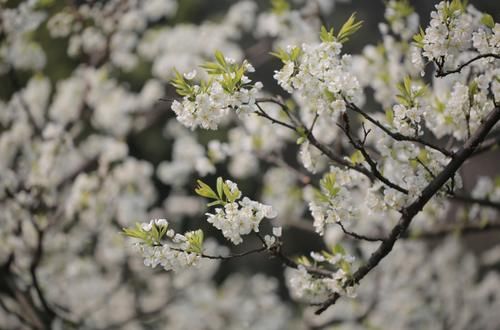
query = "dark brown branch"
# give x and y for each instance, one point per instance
(228, 257)
(359, 236)
(409, 212)
(275, 251)
(262, 113)
(311, 138)
(441, 73)
(395, 135)
(359, 145)
(236, 255)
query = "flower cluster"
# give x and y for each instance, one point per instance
(160, 245)
(402, 18)
(332, 202)
(317, 76)
(487, 40)
(407, 114)
(80, 104)
(464, 109)
(449, 31)
(228, 89)
(308, 287)
(236, 217)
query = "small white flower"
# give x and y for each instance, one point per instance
(147, 226)
(269, 240)
(161, 222)
(190, 75)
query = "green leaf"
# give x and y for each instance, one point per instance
(349, 28)
(406, 97)
(473, 88)
(440, 106)
(319, 196)
(326, 35)
(423, 156)
(163, 231)
(357, 157)
(301, 140)
(421, 91)
(155, 233)
(346, 267)
(227, 192)
(389, 115)
(403, 100)
(413, 163)
(195, 240)
(407, 85)
(419, 38)
(488, 20)
(280, 6)
(44, 4)
(219, 57)
(457, 5)
(220, 188)
(281, 54)
(338, 249)
(329, 95)
(295, 53)
(136, 232)
(329, 184)
(403, 8)
(204, 190)
(182, 87)
(213, 68)
(303, 260)
(217, 202)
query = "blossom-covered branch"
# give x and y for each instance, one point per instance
(409, 212)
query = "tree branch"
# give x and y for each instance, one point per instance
(359, 236)
(311, 138)
(395, 135)
(359, 145)
(441, 73)
(409, 212)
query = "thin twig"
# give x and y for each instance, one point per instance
(262, 113)
(275, 251)
(312, 139)
(358, 145)
(359, 236)
(441, 73)
(395, 135)
(228, 257)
